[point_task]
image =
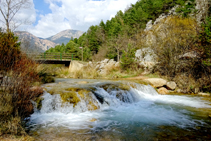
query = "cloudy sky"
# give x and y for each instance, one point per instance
(48, 17)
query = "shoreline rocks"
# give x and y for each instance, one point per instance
(204, 94)
(171, 85)
(156, 82)
(164, 87)
(163, 90)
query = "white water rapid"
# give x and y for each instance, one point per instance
(141, 106)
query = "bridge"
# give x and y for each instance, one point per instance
(52, 58)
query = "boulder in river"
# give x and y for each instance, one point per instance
(163, 90)
(156, 82)
(171, 85)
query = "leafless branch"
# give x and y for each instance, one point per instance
(10, 8)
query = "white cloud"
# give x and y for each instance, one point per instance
(75, 14)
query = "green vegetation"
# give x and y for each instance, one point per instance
(174, 37)
(111, 39)
(72, 47)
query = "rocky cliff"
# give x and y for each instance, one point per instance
(159, 29)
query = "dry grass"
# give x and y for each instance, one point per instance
(14, 138)
(87, 72)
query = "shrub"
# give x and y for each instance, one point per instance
(18, 75)
(128, 58)
(173, 39)
(10, 51)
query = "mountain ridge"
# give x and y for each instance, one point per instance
(30, 42)
(65, 36)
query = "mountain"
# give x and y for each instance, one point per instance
(29, 42)
(65, 36)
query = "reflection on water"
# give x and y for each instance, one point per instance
(129, 111)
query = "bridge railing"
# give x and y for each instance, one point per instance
(51, 56)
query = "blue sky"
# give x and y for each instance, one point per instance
(41, 8)
(52, 16)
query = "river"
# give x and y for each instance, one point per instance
(75, 109)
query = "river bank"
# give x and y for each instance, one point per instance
(109, 72)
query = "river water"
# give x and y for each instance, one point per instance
(118, 110)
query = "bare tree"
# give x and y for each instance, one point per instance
(10, 8)
(120, 43)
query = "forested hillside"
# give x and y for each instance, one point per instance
(180, 41)
(111, 38)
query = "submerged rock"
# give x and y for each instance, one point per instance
(94, 119)
(99, 97)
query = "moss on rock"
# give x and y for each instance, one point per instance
(75, 95)
(108, 87)
(39, 102)
(70, 97)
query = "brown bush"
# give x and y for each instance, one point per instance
(18, 73)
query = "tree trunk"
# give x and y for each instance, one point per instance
(8, 26)
(118, 55)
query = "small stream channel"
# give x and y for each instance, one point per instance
(74, 109)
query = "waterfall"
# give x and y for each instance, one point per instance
(104, 105)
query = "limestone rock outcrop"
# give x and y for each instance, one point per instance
(105, 65)
(75, 66)
(146, 57)
(203, 7)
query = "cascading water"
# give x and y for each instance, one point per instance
(116, 110)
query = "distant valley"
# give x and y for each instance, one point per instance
(29, 42)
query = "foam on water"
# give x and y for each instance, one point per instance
(137, 106)
(148, 93)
